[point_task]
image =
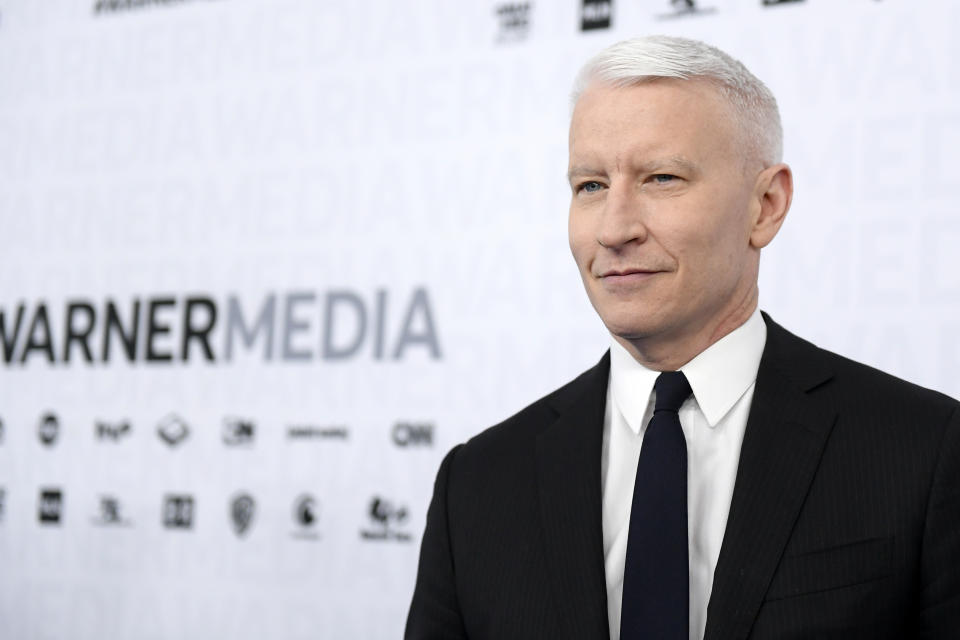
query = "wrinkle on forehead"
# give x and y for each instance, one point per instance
(697, 90)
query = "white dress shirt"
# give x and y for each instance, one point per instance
(713, 421)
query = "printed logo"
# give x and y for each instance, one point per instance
(237, 431)
(112, 431)
(173, 430)
(241, 513)
(48, 429)
(101, 7)
(305, 517)
(514, 21)
(596, 14)
(51, 506)
(412, 434)
(351, 325)
(313, 432)
(387, 521)
(178, 511)
(686, 8)
(110, 513)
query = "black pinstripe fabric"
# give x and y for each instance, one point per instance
(845, 520)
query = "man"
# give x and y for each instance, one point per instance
(759, 487)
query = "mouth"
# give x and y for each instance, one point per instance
(621, 277)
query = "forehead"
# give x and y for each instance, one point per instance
(689, 118)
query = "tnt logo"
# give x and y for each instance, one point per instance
(173, 430)
(412, 434)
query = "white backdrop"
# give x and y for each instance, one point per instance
(371, 199)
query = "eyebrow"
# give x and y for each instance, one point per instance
(582, 170)
(671, 161)
(677, 161)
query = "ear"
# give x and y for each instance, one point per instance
(772, 195)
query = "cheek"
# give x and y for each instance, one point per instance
(721, 230)
(579, 236)
(713, 256)
(702, 250)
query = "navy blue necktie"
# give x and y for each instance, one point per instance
(656, 581)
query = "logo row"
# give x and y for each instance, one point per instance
(515, 18)
(387, 522)
(594, 14)
(173, 430)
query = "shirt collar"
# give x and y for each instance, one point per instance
(719, 375)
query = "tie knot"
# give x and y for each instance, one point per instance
(672, 389)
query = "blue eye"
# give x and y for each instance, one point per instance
(591, 187)
(664, 178)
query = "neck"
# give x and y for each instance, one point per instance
(670, 352)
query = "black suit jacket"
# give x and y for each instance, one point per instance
(844, 523)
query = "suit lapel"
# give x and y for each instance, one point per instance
(784, 440)
(568, 475)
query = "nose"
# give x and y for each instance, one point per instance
(621, 219)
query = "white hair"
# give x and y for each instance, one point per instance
(645, 59)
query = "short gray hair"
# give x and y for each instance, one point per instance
(640, 60)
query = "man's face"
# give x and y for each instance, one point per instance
(662, 208)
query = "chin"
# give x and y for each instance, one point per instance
(628, 319)
(630, 328)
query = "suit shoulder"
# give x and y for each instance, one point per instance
(519, 431)
(854, 383)
(885, 390)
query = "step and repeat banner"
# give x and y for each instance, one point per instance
(262, 263)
